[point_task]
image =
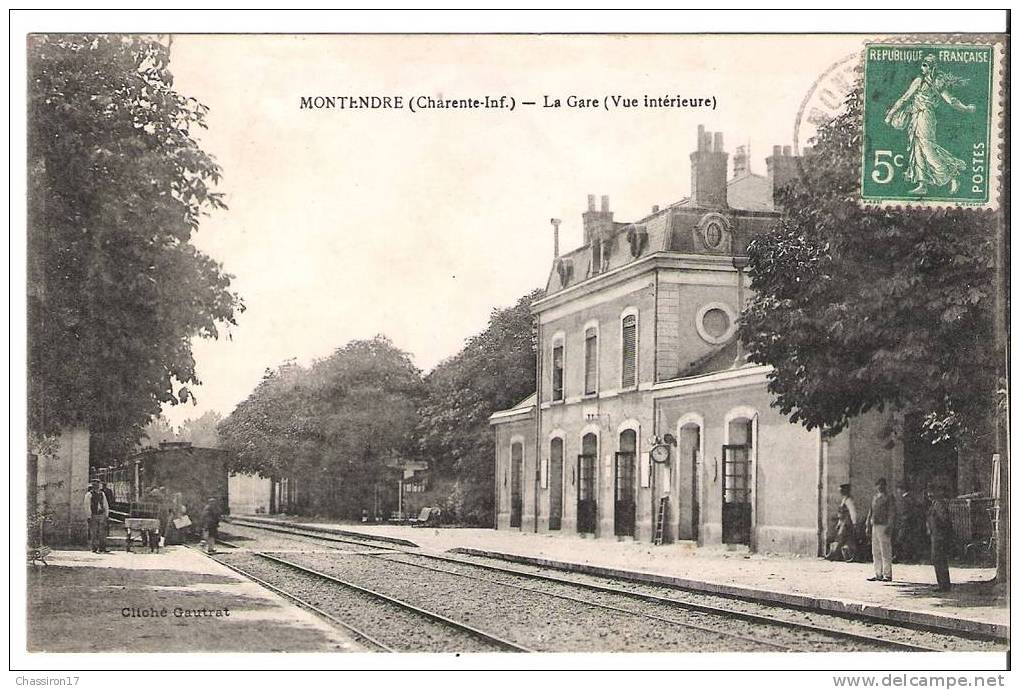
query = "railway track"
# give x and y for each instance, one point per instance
(760, 628)
(359, 636)
(416, 627)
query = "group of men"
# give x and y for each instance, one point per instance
(99, 497)
(897, 528)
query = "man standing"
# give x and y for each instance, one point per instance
(880, 523)
(211, 523)
(940, 531)
(98, 511)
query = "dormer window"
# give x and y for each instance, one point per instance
(596, 257)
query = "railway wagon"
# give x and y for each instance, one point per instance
(196, 473)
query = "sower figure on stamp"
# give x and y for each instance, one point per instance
(211, 523)
(98, 511)
(929, 163)
(940, 532)
(845, 546)
(880, 524)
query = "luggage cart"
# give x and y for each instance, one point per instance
(143, 520)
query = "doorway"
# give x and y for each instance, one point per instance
(625, 504)
(556, 483)
(586, 504)
(689, 489)
(516, 471)
(736, 488)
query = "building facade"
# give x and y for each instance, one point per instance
(638, 352)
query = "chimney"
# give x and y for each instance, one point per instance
(556, 236)
(708, 171)
(741, 162)
(783, 171)
(597, 224)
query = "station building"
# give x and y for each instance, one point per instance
(638, 350)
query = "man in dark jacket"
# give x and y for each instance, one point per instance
(211, 523)
(98, 511)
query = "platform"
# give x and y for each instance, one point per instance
(974, 605)
(175, 601)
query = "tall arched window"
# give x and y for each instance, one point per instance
(591, 360)
(557, 367)
(629, 349)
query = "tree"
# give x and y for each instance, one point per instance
(495, 370)
(157, 431)
(116, 185)
(201, 431)
(263, 432)
(859, 309)
(334, 425)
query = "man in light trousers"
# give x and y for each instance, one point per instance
(880, 525)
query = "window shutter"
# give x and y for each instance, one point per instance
(591, 354)
(629, 351)
(557, 373)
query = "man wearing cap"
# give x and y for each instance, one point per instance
(880, 524)
(98, 511)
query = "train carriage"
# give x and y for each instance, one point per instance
(145, 485)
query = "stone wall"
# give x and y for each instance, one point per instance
(61, 480)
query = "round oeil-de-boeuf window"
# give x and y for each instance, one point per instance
(713, 234)
(715, 323)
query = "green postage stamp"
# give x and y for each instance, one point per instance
(932, 115)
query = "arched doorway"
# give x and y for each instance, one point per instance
(586, 504)
(516, 479)
(688, 480)
(623, 493)
(737, 481)
(555, 483)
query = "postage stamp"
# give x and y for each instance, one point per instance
(930, 125)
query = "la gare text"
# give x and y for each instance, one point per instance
(506, 102)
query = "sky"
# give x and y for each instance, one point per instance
(343, 224)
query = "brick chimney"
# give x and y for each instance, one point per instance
(597, 224)
(741, 162)
(708, 171)
(783, 170)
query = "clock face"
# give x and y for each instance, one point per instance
(660, 453)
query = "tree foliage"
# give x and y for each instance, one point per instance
(495, 370)
(859, 309)
(198, 431)
(117, 184)
(334, 425)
